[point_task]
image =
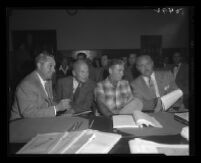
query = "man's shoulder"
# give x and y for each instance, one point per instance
(65, 79)
(91, 83)
(29, 81)
(137, 80)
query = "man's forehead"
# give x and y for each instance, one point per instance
(50, 60)
(144, 59)
(118, 67)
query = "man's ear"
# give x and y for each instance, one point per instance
(38, 65)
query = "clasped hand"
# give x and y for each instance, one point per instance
(64, 104)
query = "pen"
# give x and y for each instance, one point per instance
(91, 124)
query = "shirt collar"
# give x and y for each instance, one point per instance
(147, 78)
(114, 83)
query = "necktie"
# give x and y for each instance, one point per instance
(151, 86)
(48, 90)
(76, 93)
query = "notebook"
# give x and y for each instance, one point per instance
(134, 121)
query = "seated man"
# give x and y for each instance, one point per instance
(114, 95)
(34, 96)
(130, 72)
(180, 71)
(151, 85)
(79, 88)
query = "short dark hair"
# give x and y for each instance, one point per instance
(81, 54)
(116, 62)
(42, 57)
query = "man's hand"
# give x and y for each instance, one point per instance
(68, 113)
(63, 105)
(158, 105)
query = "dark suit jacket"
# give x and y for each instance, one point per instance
(165, 82)
(64, 89)
(182, 78)
(31, 100)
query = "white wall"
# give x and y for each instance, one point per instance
(104, 29)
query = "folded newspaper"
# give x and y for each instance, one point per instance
(140, 146)
(138, 119)
(169, 99)
(76, 142)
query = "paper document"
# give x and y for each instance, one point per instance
(85, 141)
(140, 146)
(101, 144)
(134, 121)
(169, 99)
(57, 143)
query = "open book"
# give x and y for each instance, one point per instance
(140, 146)
(85, 141)
(169, 99)
(134, 121)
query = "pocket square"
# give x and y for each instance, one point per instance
(166, 87)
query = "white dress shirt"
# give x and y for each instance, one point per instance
(75, 85)
(64, 70)
(146, 79)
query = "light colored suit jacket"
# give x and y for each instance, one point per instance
(165, 82)
(31, 100)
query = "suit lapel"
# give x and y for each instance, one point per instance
(39, 84)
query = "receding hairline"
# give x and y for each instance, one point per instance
(147, 57)
(78, 63)
(43, 57)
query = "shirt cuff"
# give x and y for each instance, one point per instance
(55, 110)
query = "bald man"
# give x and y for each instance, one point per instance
(79, 88)
(151, 85)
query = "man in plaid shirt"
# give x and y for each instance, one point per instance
(114, 95)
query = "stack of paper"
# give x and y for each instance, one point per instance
(140, 146)
(85, 141)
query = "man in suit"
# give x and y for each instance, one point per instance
(79, 88)
(34, 97)
(114, 95)
(180, 71)
(103, 72)
(151, 85)
(131, 72)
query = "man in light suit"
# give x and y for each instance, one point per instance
(151, 85)
(67, 88)
(34, 97)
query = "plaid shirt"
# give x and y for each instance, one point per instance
(113, 97)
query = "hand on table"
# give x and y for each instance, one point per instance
(63, 105)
